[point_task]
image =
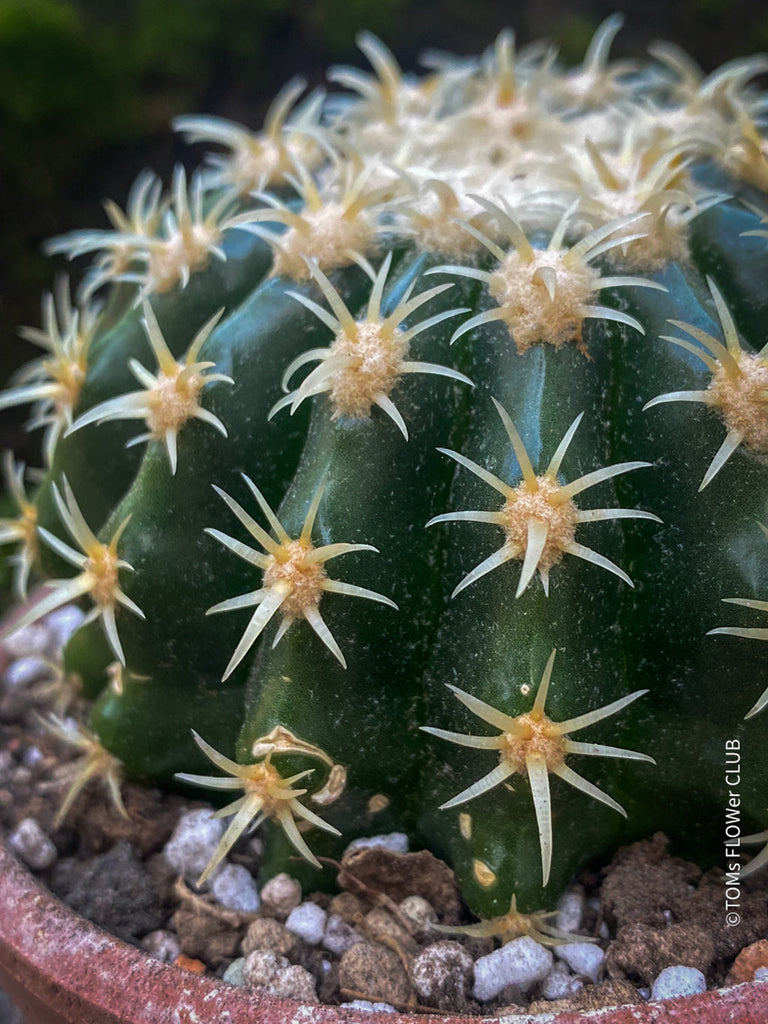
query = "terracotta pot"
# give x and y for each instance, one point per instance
(61, 969)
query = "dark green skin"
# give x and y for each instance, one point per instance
(614, 640)
(381, 491)
(611, 639)
(100, 482)
(543, 390)
(177, 644)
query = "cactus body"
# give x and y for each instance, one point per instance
(445, 366)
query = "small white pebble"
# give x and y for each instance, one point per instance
(234, 888)
(396, 842)
(32, 845)
(644, 991)
(761, 974)
(194, 840)
(522, 962)
(419, 912)
(255, 847)
(32, 756)
(281, 895)
(234, 973)
(604, 931)
(32, 639)
(26, 670)
(339, 936)
(363, 1004)
(61, 624)
(161, 944)
(560, 983)
(308, 922)
(570, 911)
(585, 958)
(678, 981)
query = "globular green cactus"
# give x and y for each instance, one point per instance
(409, 458)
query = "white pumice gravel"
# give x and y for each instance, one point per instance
(281, 895)
(678, 981)
(193, 843)
(367, 1007)
(233, 887)
(162, 944)
(32, 756)
(61, 624)
(339, 936)
(308, 922)
(25, 671)
(32, 845)
(396, 842)
(31, 640)
(585, 958)
(560, 983)
(521, 962)
(570, 911)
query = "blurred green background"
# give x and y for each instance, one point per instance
(87, 88)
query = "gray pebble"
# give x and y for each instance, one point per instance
(339, 936)
(585, 958)
(560, 983)
(521, 962)
(32, 845)
(162, 944)
(234, 973)
(281, 895)
(263, 969)
(308, 922)
(678, 981)
(441, 975)
(419, 912)
(570, 911)
(32, 756)
(25, 671)
(234, 888)
(193, 843)
(397, 842)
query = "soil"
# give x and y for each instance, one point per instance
(648, 909)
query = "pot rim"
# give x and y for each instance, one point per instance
(43, 945)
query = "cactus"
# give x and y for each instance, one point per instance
(415, 515)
